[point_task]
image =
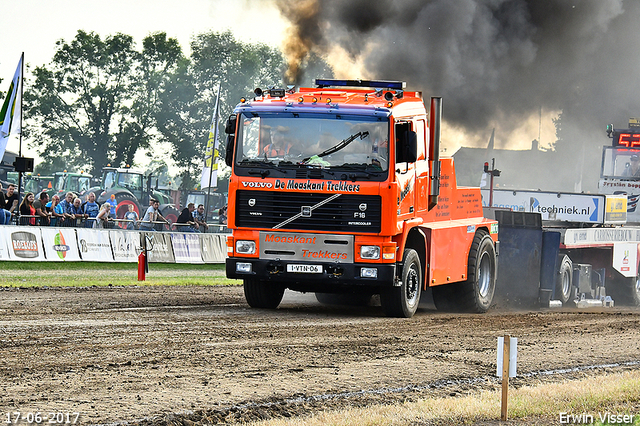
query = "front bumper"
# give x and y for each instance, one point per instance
(334, 275)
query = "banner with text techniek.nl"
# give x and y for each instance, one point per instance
(124, 244)
(25, 243)
(214, 247)
(60, 244)
(94, 245)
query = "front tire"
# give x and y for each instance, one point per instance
(402, 301)
(262, 294)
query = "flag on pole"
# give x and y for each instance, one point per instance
(10, 112)
(210, 170)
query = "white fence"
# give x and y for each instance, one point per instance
(52, 244)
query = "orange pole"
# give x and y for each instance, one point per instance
(141, 266)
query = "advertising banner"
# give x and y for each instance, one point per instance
(25, 243)
(4, 239)
(161, 250)
(186, 248)
(214, 247)
(60, 244)
(94, 245)
(553, 206)
(124, 244)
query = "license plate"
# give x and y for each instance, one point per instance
(305, 269)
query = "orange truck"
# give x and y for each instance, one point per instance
(339, 189)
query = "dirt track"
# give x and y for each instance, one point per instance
(140, 355)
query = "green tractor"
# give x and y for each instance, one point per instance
(131, 187)
(64, 182)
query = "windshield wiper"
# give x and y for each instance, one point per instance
(337, 147)
(257, 164)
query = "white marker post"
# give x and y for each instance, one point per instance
(507, 352)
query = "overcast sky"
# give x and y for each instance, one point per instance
(34, 26)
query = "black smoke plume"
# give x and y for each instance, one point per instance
(491, 60)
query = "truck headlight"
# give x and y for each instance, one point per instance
(245, 247)
(370, 252)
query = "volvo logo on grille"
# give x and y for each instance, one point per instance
(362, 207)
(252, 202)
(305, 211)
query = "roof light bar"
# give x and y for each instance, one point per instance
(383, 84)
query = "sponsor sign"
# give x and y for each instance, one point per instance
(161, 250)
(214, 247)
(304, 185)
(625, 259)
(600, 236)
(25, 243)
(4, 248)
(553, 206)
(60, 244)
(124, 244)
(186, 248)
(94, 245)
(308, 247)
(616, 209)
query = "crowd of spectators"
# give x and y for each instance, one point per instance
(75, 211)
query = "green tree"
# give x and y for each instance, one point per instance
(95, 103)
(187, 107)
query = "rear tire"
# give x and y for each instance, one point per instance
(402, 301)
(564, 280)
(476, 294)
(262, 294)
(625, 291)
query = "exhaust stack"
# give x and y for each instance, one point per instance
(435, 118)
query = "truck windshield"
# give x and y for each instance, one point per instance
(327, 141)
(622, 163)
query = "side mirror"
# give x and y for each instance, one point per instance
(230, 127)
(228, 156)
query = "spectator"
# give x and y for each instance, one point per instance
(67, 205)
(222, 216)
(76, 208)
(56, 210)
(186, 219)
(41, 210)
(5, 214)
(103, 216)
(200, 219)
(132, 216)
(27, 209)
(152, 215)
(91, 209)
(113, 204)
(11, 199)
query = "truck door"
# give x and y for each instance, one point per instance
(405, 174)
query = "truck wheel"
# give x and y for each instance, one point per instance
(476, 294)
(261, 294)
(402, 301)
(564, 281)
(625, 291)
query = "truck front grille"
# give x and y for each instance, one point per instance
(308, 211)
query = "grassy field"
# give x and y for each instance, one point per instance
(612, 394)
(83, 274)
